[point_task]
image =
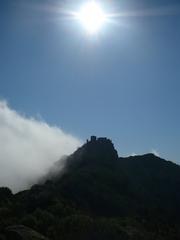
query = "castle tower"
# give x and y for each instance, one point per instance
(93, 138)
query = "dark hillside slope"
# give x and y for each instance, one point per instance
(107, 185)
(155, 183)
(100, 196)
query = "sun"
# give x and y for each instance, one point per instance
(92, 17)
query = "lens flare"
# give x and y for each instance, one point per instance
(92, 17)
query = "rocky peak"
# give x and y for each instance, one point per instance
(96, 150)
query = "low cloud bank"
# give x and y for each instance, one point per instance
(153, 151)
(28, 148)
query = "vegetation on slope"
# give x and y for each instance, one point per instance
(100, 196)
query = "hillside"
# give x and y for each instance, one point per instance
(100, 195)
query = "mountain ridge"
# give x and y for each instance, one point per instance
(100, 195)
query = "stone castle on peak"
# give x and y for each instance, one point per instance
(94, 139)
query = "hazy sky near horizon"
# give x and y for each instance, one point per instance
(123, 83)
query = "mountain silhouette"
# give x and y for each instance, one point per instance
(97, 178)
(100, 195)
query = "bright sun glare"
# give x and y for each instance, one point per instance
(92, 17)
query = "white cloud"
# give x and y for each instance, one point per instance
(28, 148)
(155, 152)
(133, 154)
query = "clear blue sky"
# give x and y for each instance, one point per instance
(123, 84)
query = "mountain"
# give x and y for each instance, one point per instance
(100, 195)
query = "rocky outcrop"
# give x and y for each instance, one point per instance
(20, 232)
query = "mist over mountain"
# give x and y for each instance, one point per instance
(99, 195)
(29, 147)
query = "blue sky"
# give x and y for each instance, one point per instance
(123, 83)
